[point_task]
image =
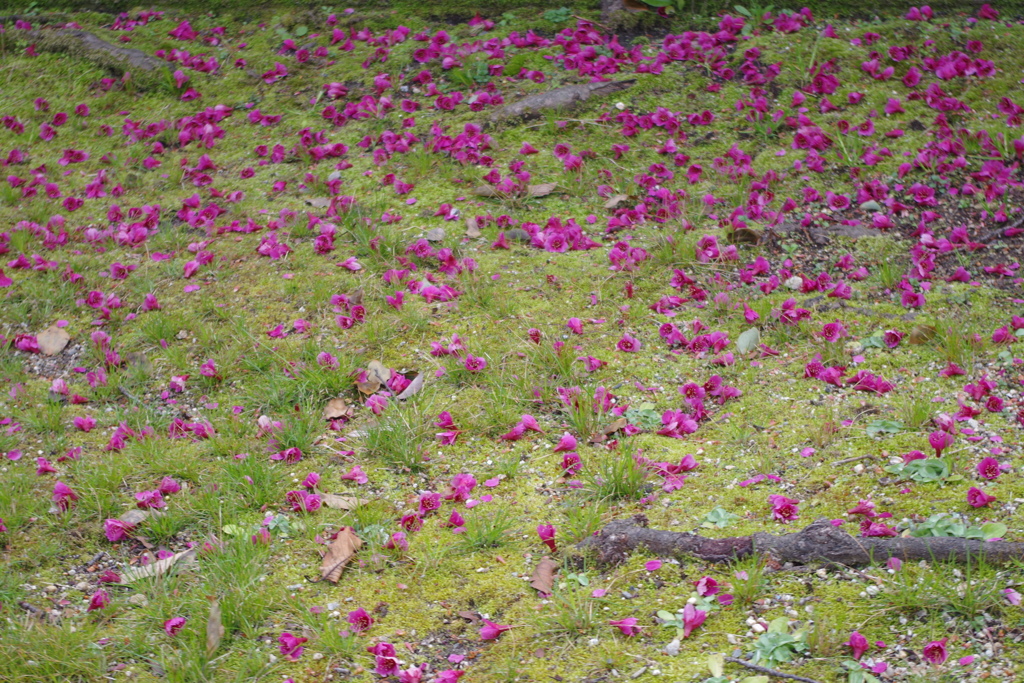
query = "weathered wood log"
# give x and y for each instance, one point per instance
(559, 99)
(819, 542)
(91, 47)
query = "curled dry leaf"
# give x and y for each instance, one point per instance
(336, 502)
(614, 201)
(356, 297)
(473, 617)
(371, 386)
(136, 516)
(341, 550)
(543, 578)
(337, 408)
(435, 235)
(376, 370)
(52, 340)
(161, 567)
(214, 629)
(541, 190)
(414, 388)
(921, 334)
(745, 236)
(609, 430)
(472, 227)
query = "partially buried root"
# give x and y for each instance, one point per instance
(818, 542)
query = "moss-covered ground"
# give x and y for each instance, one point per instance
(225, 244)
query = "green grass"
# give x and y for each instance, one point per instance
(421, 596)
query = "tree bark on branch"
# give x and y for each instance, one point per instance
(89, 46)
(817, 542)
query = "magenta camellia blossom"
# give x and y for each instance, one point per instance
(1012, 596)
(150, 500)
(692, 619)
(940, 441)
(85, 424)
(784, 509)
(627, 626)
(99, 600)
(386, 659)
(491, 630)
(174, 625)
(547, 535)
(935, 652)
(168, 485)
(289, 455)
(360, 620)
(63, 496)
(858, 644)
(377, 404)
(706, 586)
(429, 502)
(356, 474)
(473, 363)
(116, 530)
(978, 498)
(989, 468)
(566, 443)
(628, 344)
(291, 646)
(303, 501)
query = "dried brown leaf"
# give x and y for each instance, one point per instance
(356, 297)
(160, 567)
(543, 578)
(336, 502)
(471, 616)
(614, 201)
(486, 191)
(745, 236)
(414, 388)
(435, 235)
(609, 430)
(337, 408)
(921, 334)
(214, 629)
(52, 340)
(375, 370)
(339, 553)
(368, 387)
(319, 202)
(541, 190)
(472, 227)
(136, 517)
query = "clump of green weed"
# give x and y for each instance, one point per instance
(400, 438)
(615, 475)
(750, 581)
(485, 530)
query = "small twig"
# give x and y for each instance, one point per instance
(998, 232)
(770, 672)
(845, 461)
(32, 609)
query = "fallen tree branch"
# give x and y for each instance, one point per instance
(846, 461)
(770, 672)
(817, 542)
(560, 99)
(88, 46)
